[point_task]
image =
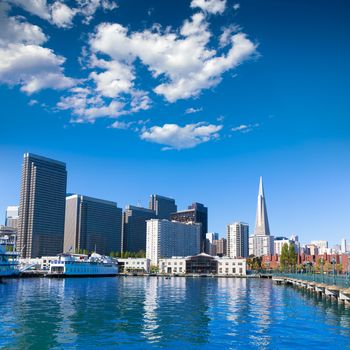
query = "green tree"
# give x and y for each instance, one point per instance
(284, 258)
(292, 256)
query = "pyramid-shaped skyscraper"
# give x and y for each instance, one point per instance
(261, 243)
(262, 222)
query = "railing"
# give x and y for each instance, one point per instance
(329, 279)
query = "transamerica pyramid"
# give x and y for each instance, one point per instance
(262, 223)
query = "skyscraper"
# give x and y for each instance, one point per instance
(42, 206)
(343, 246)
(92, 224)
(134, 228)
(238, 240)
(261, 243)
(170, 238)
(11, 217)
(196, 213)
(163, 206)
(209, 238)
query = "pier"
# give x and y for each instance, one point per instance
(332, 291)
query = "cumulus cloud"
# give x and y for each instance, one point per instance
(192, 110)
(173, 136)
(23, 59)
(236, 6)
(182, 60)
(87, 106)
(60, 14)
(210, 6)
(243, 128)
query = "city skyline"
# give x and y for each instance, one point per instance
(274, 105)
(260, 214)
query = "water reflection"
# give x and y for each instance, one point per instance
(142, 313)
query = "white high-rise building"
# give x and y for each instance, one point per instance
(261, 243)
(343, 246)
(238, 240)
(171, 238)
(11, 217)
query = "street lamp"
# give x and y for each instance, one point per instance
(333, 263)
(322, 262)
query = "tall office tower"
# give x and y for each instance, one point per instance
(170, 238)
(134, 228)
(92, 224)
(209, 238)
(343, 246)
(238, 240)
(11, 217)
(42, 206)
(163, 206)
(220, 247)
(196, 213)
(261, 243)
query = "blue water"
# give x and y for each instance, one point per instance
(176, 313)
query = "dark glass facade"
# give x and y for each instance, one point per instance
(42, 207)
(196, 213)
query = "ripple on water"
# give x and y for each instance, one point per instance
(141, 313)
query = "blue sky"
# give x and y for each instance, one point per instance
(190, 99)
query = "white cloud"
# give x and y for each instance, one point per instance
(33, 102)
(121, 125)
(38, 8)
(210, 6)
(23, 61)
(236, 6)
(192, 110)
(243, 128)
(62, 15)
(33, 67)
(184, 62)
(17, 30)
(174, 136)
(87, 105)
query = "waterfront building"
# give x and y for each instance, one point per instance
(134, 228)
(261, 243)
(42, 206)
(203, 264)
(163, 206)
(219, 247)
(134, 265)
(92, 224)
(11, 217)
(196, 213)
(232, 267)
(170, 238)
(238, 240)
(173, 265)
(343, 246)
(209, 238)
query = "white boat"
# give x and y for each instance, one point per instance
(75, 265)
(9, 265)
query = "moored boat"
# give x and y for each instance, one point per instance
(78, 265)
(9, 265)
